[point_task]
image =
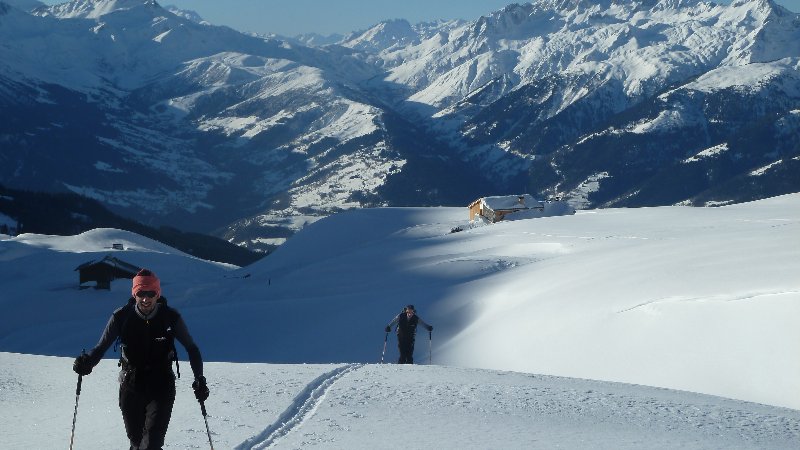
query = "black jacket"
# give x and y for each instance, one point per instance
(407, 327)
(147, 343)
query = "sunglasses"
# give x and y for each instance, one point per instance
(148, 294)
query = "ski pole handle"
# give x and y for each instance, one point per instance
(80, 377)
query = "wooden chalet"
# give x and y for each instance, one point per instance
(495, 208)
(104, 271)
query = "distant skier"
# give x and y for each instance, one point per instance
(407, 322)
(147, 329)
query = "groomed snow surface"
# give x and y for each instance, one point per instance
(699, 303)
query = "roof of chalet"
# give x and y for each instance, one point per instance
(511, 202)
(111, 261)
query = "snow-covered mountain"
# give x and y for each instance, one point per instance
(93, 9)
(222, 124)
(606, 103)
(527, 91)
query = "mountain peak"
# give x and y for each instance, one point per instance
(92, 9)
(386, 34)
(186, 14)
(764, 8)
(565, 5)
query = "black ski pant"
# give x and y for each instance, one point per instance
(406, 347)
(146, 399)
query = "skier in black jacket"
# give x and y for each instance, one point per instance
(407, 322)
(147, 329)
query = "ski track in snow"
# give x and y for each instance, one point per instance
(714, 298)
(302, 408)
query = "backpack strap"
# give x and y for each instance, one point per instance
(172, 321)
(121, 317)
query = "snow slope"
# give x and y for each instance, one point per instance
(696, 299)
(355, 406)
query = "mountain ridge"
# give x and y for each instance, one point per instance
(253, 137)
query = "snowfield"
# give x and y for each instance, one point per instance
(373, 406)
(686, 317)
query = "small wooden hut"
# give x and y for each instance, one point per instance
(104, 271)
(495, 208)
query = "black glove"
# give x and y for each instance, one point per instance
(200, 389)
(388, 329)
(82, 366)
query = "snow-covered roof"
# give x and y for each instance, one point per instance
(111, 261)
(503, 202)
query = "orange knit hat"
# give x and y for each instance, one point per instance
(146, 280)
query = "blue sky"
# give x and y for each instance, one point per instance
(292, 17)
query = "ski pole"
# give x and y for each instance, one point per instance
(205, 418)
(385, 340)
(75, 414)
(430, 347)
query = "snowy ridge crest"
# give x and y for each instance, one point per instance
(93, 9)
(187, 14)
